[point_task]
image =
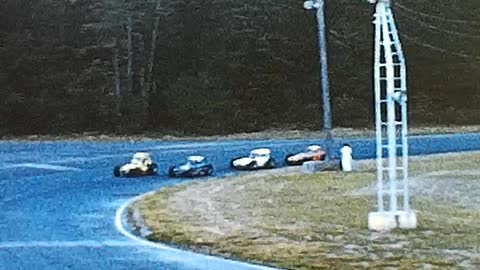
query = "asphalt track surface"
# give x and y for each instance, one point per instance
(58, 199)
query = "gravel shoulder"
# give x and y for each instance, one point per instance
(318, 221)
(266, 134)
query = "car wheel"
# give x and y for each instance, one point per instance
(252, 165)
(171, 171)
(116, 171)
(271, 164)
(152, 169)
(135, 173)
(210, 171)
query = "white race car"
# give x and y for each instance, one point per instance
(258, 159)
(141, 164)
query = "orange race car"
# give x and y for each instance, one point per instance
(314, 152)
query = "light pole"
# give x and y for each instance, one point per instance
(322, 45)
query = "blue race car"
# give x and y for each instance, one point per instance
(195, 166)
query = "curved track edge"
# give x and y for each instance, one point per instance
(120, 225)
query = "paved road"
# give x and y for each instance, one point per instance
(58, 199)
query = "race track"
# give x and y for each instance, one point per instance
(58, 199)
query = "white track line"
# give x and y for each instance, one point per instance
(66, 244)
(118, 223)
(40, 166)
(83, 159)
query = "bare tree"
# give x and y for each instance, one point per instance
(153, 47)
(130, 52)
(116, 70)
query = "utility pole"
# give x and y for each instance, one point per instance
(322, 45)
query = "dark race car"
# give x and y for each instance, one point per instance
(140, 165)
(314, 152)
(196, 166)
(258, 159)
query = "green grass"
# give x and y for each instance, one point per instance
(317, 221)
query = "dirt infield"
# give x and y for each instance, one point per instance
(295, 221)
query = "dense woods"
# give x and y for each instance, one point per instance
(222, 66)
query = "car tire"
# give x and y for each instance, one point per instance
(210, 171)
(116, 171)
(152, 170)
(271, 164)
(252, 165)
(171, 171)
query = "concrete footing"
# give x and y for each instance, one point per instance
(386, 221)
(312, 166)
(407, 220)
(318, 166)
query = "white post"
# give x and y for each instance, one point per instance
(391, 125)
(378, 115)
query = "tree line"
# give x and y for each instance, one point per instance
(222, 66)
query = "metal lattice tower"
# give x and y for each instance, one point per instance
(390, 85)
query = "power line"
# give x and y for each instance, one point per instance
(422, 14)
(438, 49)
(439, 29)
(339, 39)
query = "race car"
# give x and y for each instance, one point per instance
(258, 159)
(141, 164)
(194, 167)
(314, 152)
